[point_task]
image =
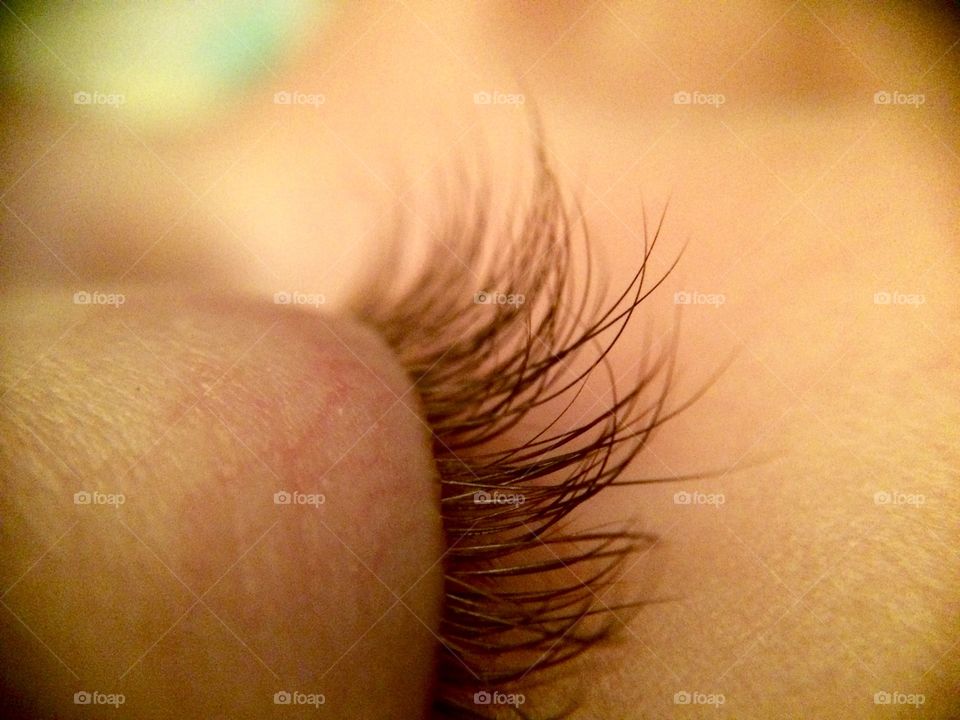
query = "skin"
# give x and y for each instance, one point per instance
(800, 596)
(197, 593)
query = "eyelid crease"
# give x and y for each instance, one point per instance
(481, 369)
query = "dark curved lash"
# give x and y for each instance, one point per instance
(481, 370)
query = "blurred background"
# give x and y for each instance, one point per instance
(259, 145)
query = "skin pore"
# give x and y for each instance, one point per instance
(805, 204)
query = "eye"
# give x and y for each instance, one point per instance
(501, 349)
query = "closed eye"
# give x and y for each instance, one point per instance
(501, 347)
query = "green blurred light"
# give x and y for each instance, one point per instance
(167, 61)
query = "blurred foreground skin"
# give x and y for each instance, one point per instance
(147, 559)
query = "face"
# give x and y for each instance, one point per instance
(803, 160)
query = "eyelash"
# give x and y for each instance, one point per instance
(481, 370)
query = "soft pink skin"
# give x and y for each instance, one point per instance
(198, 595)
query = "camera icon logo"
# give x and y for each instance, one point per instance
(82, 698)
(882, 298)
(482, 298)
(81, 297)
(682, 498)
(482, 697)
(282, 498)
(882, 698)
(282, 98)
(82, 98)
(482, 98)
(82, 498)
(282, 298)
(682, 297)
(681, 698)
(682, 97)
(282, 698)
(481, 497)
(882, 97)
